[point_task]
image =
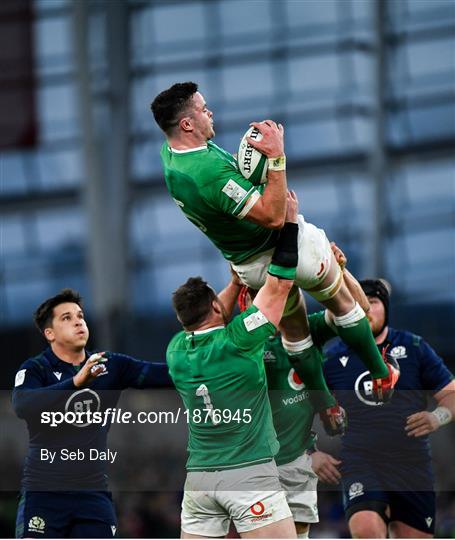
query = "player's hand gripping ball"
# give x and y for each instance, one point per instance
(252, 164)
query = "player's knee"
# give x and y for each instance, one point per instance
(367, 524)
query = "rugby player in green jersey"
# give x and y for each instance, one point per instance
(218, 370)
(243, 221)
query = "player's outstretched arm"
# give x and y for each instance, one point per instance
(425, 422)
(271, 298)
(270, 209)
(228, 296)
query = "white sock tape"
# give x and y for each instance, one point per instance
(295, 347)
(355, 315)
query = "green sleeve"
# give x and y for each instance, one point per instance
(250, 329)
(228, 190)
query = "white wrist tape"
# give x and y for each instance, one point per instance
(442, 415)
(277, 163)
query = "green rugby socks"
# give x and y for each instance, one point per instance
(354, 329)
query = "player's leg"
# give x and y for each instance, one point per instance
(202, 516)
(92, 529)
(93, 515)
(319, 274)
(366, 505)
(254, 499)
(305, 357)
(43, 515)
(303, 529)
(299, 483)
(412, 514)
(367, 524)
(284, 528)
(303, 354)
(352, 324)
(398, 529)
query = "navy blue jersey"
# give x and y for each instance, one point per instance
(45, 384)
(377, 428)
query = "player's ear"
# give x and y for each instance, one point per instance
(186, 124)
(49, 334)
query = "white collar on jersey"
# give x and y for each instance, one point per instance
(196, 149)
(206, 331)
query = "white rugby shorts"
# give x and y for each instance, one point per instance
(299, 482)
(251, 496)
(313, 265)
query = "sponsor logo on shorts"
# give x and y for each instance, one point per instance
(36, 525)
(259, 513)
(398, 352)
(429, 521)
(355, 490)
(294, 380)
(113, 529)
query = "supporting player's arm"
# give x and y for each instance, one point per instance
(228, 296)
(269, 210)
(425, 422)
(271, 298)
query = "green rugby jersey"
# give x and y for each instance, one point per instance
(222, 369)
(207, 186)
(291, 408)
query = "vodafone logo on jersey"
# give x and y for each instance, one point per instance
(294, 380)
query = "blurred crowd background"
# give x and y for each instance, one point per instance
(365, 90)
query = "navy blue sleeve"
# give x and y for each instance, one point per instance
(433, 372)
(31, 395)
(135, 373)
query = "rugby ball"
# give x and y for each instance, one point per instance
(252, 164)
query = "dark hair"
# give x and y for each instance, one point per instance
(192, 302)
(169, 104)
(45, 313)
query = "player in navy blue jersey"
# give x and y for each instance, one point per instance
(64, 484)
(387, 478)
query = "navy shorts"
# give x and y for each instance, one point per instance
(83, 514)
(406, 487)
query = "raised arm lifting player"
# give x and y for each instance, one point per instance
(244, 220)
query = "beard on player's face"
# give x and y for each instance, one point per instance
(376, 316)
